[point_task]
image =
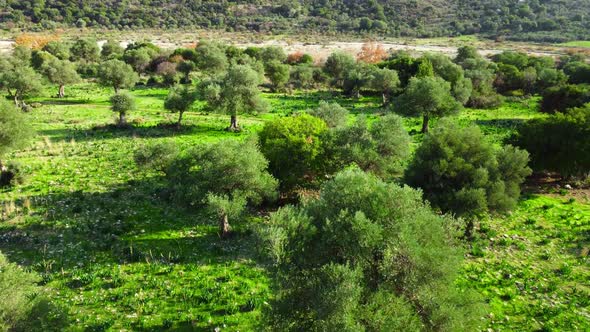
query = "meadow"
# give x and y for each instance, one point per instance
(120, 256)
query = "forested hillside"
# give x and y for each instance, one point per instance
(539, 20)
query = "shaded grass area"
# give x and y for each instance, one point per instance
(579, 43)
(121, 256)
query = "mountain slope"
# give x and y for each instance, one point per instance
(550, 20)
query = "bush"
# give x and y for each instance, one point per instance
(562, 98)
(558, 143)
(461, 172)
(22, 308)
(333, 114)
(11, 175)
(366, 255)
(380, 148)
(293, 147)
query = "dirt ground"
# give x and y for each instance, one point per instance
(320, 47)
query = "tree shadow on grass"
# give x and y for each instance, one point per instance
(66, 102)
(309, 100)
(129, 240)
(114, 132)
(132, 223)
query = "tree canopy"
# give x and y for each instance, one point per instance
(366, 255)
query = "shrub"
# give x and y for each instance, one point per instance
(333, 114)
(366, 255)
(461, 172)
(293, 147)
(558, 143)
(11, 175)
(562, 98)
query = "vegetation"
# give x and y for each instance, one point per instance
(533, 20)
(460, 172)
(428, 97)
(142, 241)
(378, 242)
(294, 149)
(557, 143)
(122, 103)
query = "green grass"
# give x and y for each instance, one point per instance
(532, 266)
(579, 43)
(120, 256)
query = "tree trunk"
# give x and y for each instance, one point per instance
(116, 89)
(179, 123)
(233, 124)
(384, 98)
(16, 100)
(62, 91)
(358, 93)
(122, 119)
(425, 120)
(224, 226)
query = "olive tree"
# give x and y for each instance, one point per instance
(85, 49)
(61, 73)
(387, 82)
(122, 103)
(58, 49)
(111, 49)
(14, 133)
(366, 255)
(179, 100)
(211, 58)
(427, 97)
(22, 81)
(278, 74)
(461, 172)
(235, 93)
(225, 176)
(336, 67)
(117, 74)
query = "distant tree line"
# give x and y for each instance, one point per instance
(525, 20)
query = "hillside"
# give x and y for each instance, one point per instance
(551, 21)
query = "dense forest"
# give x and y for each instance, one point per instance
(533, 20)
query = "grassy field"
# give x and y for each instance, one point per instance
(580, 43)
(114, 251)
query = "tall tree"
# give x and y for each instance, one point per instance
(427, 97)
